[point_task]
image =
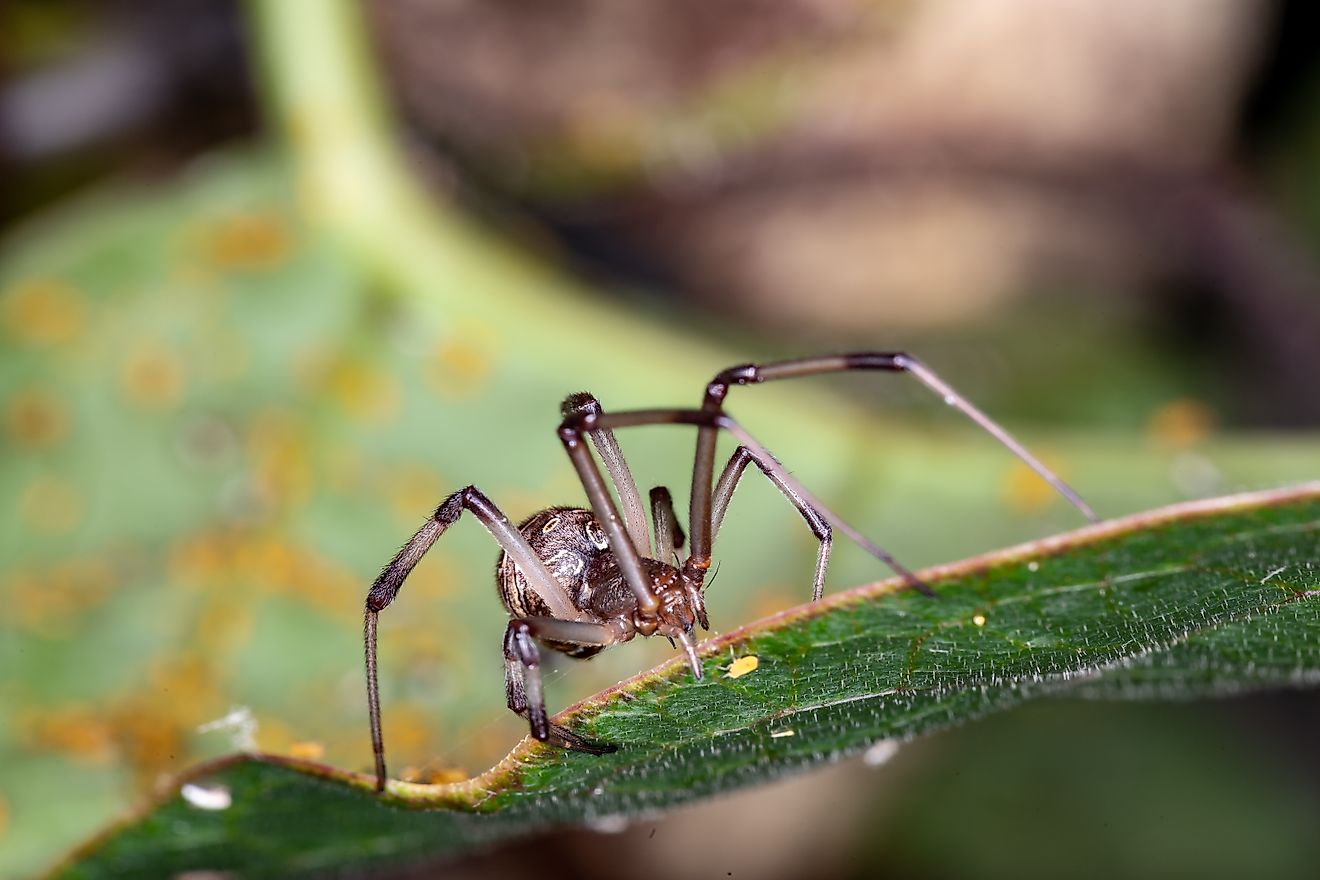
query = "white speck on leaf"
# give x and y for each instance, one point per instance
(1279, 570)
(206, 797)
(880, 752)
(613, 824)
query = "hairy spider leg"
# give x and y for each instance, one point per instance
(607, 447)
(390, 580)
(662, 513)
(522, 672)
(662, 510)
(751, 374)
(669, 535)
(571, 432)
(819, 526)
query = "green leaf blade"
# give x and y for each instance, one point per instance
(1203, 599)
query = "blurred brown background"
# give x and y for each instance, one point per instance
(828, 172)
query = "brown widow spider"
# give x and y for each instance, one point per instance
(578, 580)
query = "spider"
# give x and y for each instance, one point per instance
(578, 580)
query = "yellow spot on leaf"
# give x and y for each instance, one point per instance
(49, 602)
(152, 724)
(276, 735)
(144, 729)
(196, 560)
(183, 688)
(1181, 423)
(277, 443)
(152, 376)
(459, 368)
(51, 505)
(307, 750)
(35, 419)
(280, 736)
(432, 775)
(80, 732)
(150, 733)
(362, 390)
(221, 560)
(410, 731)
(4, 817)
(43, 311)
(742, 666)
(978, 619)
(225, 621)
(250, 241)
(1023, 490)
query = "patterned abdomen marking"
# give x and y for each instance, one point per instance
(568, 540)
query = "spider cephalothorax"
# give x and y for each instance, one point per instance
(578, 580)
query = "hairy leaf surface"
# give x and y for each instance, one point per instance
(1201, 599)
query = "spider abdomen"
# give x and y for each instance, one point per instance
(571, 543)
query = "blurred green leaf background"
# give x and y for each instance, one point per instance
(328, 263)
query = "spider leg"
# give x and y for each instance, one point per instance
(819, 526)
(668, 533)
(522, 673)
(571, 432)
(897, 362)
(617, 467)
(390, 580)
(575, 426)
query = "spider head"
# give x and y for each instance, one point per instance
(681, 608)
